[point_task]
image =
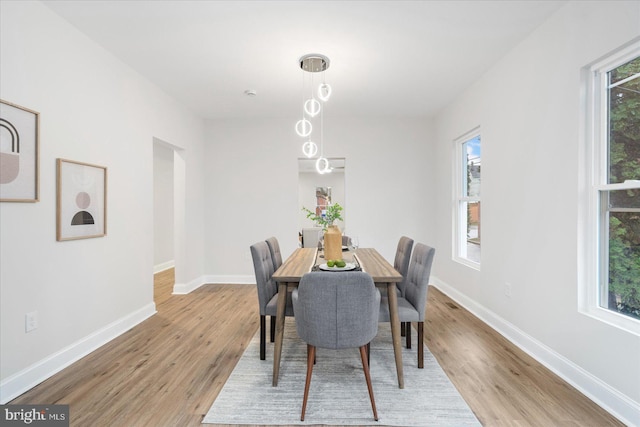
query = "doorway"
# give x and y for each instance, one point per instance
(167, 198)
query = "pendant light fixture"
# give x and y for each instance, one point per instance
(314, 63)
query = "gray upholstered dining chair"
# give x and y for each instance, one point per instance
(401, 263)
(336, 310)
(412, 304)
(276, 255)
(267, 291)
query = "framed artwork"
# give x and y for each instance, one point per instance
(19, 153)
(81, 200)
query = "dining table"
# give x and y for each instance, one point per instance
(369, 260)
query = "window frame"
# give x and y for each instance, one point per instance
(461, 199)
(593, 236)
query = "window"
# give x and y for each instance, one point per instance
(467, 230)
(612, 291)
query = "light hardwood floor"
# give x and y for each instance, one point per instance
(168, 370)
(163, 285)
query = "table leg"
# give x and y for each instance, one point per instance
(395, 330)
(277, 350)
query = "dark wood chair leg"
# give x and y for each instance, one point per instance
(420, 345)
(311, 355)
(408, 334)
(272, 328)
(369, 354)
(263, 337)
(367, 376)
(402, 330)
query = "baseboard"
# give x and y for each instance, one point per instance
(185, 288)
(610, 399)
(163, 266)
(233, 280)
(17, 384)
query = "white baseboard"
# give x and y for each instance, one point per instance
(234, 280)
(185, 288)
(163, 266)
(610, 399)
(16, 384)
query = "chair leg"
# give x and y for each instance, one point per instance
(272, 329)
(263, 326)
(311, 354)
(367, 376)
(420, 345)
(314, 355)
(369, 354)
(402, 326)
(408, 334)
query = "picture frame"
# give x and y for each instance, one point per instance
(81, 202)
(19, 153)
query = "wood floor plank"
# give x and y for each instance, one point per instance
(501, 383)
(163, 285)
(168, 370)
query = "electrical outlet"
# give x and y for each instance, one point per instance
(507, 289)
(31, 321)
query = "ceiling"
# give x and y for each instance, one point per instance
(388, 58)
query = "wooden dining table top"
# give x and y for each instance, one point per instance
(302, 261)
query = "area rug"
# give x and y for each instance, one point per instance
(338, 393)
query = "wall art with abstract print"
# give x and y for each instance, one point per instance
(81, 200)
(19, 134)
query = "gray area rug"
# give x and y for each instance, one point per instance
(338, 393)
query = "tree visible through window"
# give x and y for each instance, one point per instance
(620, 194)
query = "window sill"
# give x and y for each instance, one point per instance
(614, 319)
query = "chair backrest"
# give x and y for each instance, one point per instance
(417, 283)
(336, 309)
(263, 267)
(276, 255)
(401, 262)
(310, 237)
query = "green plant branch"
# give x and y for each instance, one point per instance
(332, 213)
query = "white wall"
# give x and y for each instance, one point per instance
(528, 106)
(163, 217)
(388, 162)
(95, 110)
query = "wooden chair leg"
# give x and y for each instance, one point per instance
(314, 355)
(367, 376)
(272, 328)
(311, 354)
(369, 354)
(402, 326)
(263, 326)
(408, 334)
(420, 345)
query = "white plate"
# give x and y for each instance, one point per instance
(349, 266)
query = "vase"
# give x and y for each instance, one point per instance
(332, 243)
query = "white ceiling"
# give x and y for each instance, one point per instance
(388, 58)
